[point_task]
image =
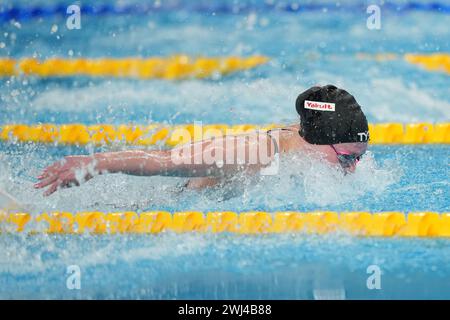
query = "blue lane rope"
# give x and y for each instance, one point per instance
(8, 13)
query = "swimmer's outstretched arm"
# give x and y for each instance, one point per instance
(192, 160)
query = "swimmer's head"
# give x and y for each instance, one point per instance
(330, 116)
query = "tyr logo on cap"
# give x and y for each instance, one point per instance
(363, 136)
(321, 106)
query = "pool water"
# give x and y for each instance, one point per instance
(305, 49)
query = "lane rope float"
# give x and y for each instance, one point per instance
(160, 134)
(431, 62)
(381, 224)
(437, 62)
(16, 12)
(169, 68)
(181, 66)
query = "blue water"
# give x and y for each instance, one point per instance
(305, 49)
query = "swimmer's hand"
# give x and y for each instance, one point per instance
(71, 171)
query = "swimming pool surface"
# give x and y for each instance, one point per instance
(305, 48)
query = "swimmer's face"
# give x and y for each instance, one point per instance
(346, 155)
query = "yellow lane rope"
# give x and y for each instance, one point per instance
(381, 224)
(160, 134)
(178, 66)
(430, 62)
(175, 67)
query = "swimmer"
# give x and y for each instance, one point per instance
(331, 124)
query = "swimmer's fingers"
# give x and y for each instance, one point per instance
(43, 175)
(66, 180)
(59, 166)
(63, 179)
(50, 178)
(55, 169)
(50, 174)
(69, 162)
(52, 188)
(51, 170)
(46, 181)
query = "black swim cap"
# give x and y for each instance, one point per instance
(329, 115)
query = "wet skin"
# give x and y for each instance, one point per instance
(66, 173)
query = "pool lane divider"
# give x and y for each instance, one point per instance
(168, 68)
(433, 62)
(170, 136)
(436, 62)
(179, 67)
(380, 224)
(17, 12)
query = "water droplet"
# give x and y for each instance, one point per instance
(54, 28)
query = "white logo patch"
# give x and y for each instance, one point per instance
(363, 136)
(321, 106)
